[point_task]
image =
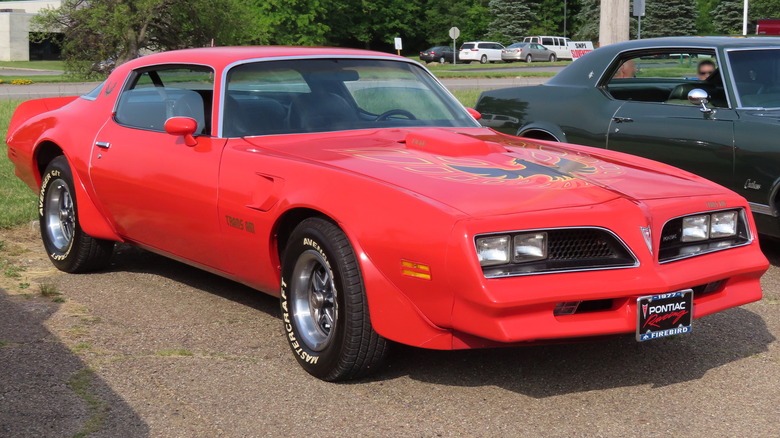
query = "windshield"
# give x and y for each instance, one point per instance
(756, 77)
(319, 95)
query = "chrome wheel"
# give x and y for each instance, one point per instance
(313, 296)
(60, 215)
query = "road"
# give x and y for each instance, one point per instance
(152, 347)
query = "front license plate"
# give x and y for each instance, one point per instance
(664, 315)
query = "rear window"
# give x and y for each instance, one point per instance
(467, 46)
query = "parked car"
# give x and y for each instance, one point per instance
(355, 188)
(527, 52)
(558, 44)
(723, 127)
(482, 51)
(440, 54)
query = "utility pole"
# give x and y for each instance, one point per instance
(613, 26)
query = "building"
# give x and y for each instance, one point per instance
(15, 31)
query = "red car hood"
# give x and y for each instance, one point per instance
(483, 173)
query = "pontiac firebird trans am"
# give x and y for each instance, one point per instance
(352, 185)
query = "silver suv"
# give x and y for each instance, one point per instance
(482, 51)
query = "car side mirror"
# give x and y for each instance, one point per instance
(697, 96)
(474, 113)
(183, 126)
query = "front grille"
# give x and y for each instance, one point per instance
(579, 244)
(571, 249)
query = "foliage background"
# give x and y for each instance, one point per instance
(118, 30)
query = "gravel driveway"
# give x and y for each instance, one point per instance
(153, 347)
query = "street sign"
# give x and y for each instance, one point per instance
(398, 44)
(639, 8)
(454, 33)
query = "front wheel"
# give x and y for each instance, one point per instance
(324, 306)
(70, 249)
(552, 58)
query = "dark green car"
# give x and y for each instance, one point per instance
(646, 97)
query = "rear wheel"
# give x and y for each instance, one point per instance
(483, 59)
(70, 249)
(324, 305)
(529, 59)
(442, 60)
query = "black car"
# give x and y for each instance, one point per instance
(440, 54)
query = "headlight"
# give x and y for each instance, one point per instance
(529, 247)
(493, 250)
(695, 228)
(723, 224)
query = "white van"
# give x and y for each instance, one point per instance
(482, 51)
(559, 45)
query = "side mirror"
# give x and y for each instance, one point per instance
(697, 96)
(474, 113)
(182, 126)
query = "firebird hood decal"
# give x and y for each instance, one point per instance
(509, 174)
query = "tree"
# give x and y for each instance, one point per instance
(669, 18)
(511, 20)
(369, 23)
(97, 30)
(587, 21)
(471, 17)
(705, 24)
(727, 17)
(291, 22)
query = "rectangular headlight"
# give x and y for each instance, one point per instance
(529, 247)
(723, 224)
(695, 228)
(493, 250)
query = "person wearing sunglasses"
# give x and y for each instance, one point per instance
(705, 69)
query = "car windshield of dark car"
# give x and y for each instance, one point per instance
(756, 75)
(320, 95)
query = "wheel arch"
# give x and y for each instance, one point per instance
(91, 219)
(387, 304)
(542, 132)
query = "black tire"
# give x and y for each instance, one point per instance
(483, 59)
(69, 248)
(529, 59)
(324, 306)
(552, 58)
(442, 60)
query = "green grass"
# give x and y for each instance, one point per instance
(467, 97)
(493, 74)
(82, 384)
(17, 201)
(37, 65)
(36, 79)
(48, 290)
(174, 352)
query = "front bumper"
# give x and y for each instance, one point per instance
(499, 311)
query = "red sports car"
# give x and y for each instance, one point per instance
(352, 185)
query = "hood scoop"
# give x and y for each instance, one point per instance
(448, 143)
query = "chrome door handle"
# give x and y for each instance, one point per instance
(623, 119)
(103, 144)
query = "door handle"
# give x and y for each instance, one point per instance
(103, 144)
(622, 119)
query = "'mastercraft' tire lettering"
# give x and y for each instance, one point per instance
(296, 347)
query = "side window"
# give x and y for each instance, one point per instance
(547, 41)
(162, 92)
(666, 76)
